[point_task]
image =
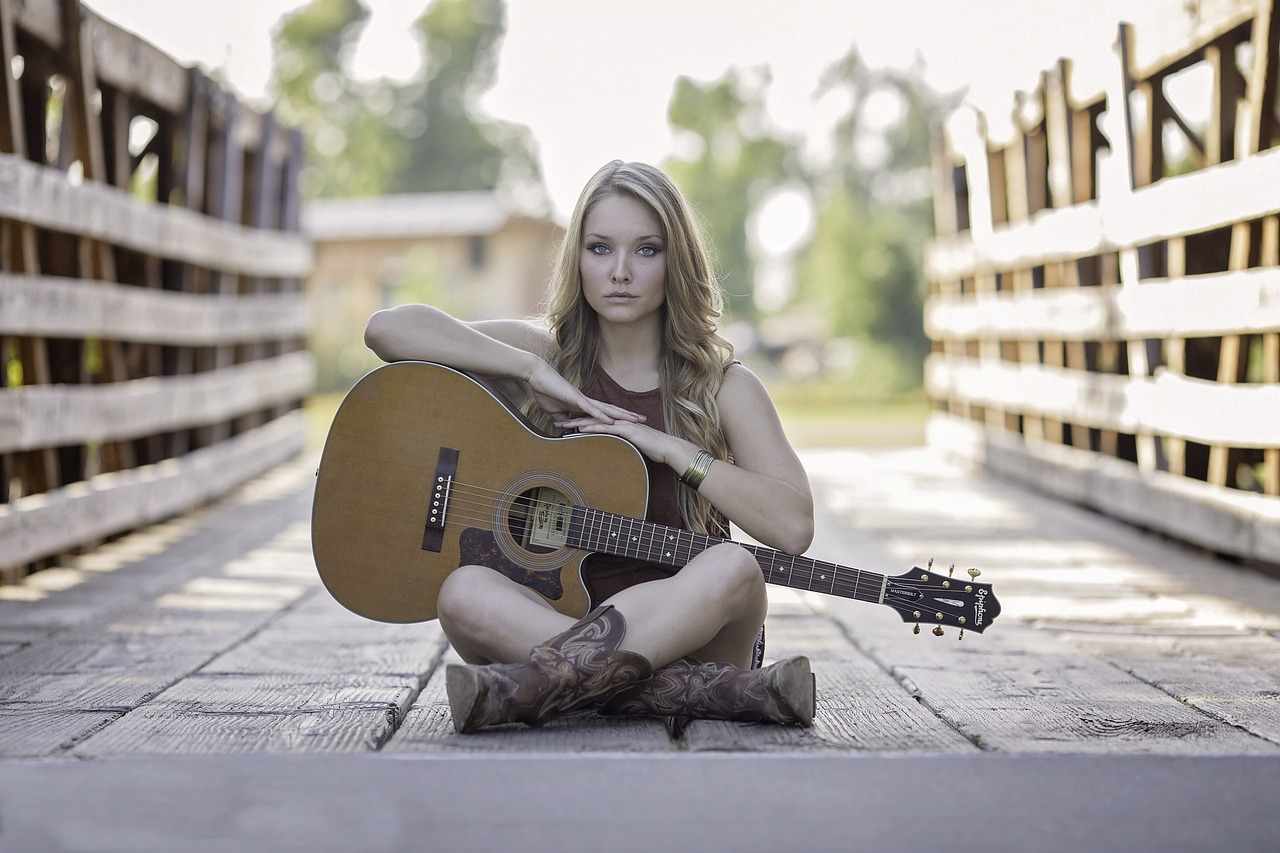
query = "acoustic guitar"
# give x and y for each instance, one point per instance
(427, 468)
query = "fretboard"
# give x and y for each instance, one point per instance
(606, 533)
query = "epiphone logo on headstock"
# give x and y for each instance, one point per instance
(906, 592)
(980, 612)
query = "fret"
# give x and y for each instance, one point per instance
(603, 532)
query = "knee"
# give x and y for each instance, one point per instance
(738, 570)
(460, 595)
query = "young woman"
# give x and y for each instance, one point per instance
(632, 350)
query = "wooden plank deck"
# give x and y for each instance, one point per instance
(210, 634)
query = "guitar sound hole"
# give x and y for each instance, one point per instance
(539, 520)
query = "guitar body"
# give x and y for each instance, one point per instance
(412, 434)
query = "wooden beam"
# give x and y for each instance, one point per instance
(45, 415)
(46, 306)
(1194, 409)
(55, 521)
(43, 197)
(1241, 302)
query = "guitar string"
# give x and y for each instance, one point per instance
(482, 498)
(858, 587)
(649, 538)
(862, 581)
(653, 538)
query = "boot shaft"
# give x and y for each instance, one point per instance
(579, 666)
(780, 693)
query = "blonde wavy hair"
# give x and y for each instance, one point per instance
(693, 356)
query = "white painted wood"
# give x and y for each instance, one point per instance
(1167, 404)
(1222, 520)
(46, 198)
(1199, 201)
(54, 521)
(46, 306)
(1237, 302)
(34, 416)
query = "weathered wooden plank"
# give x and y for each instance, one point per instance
(1023, 690)
(71, 308)
(859, 705)
(108, 503)
(1193, 203)
(1224, 521)
(44, 197)
(1240, 302)
(55, 415)
(163, 659)
(107, 692)
(428, 728)
(259, 714)
(292, 646)
(1235, 679)
(43, 715)
(1168, 404)
(42, 732)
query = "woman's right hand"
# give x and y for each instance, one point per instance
(559, 398)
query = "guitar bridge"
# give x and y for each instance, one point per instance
(438, 509)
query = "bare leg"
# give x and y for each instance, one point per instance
(712, 610)
(490, 618)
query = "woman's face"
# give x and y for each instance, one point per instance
(623, 262)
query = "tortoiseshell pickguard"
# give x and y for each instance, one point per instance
(478, 547)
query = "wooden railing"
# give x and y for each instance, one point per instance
(152, 319)
(1105, 322)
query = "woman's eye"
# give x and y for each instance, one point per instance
(648, 251)
(598, 249)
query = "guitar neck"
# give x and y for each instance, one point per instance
(606, 533)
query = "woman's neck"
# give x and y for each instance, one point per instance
(630, 353)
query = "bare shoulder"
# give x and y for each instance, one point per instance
(743, 392)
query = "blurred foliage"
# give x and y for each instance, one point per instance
(864, 267)
(737, 162)
(424, 135)
(861, 273)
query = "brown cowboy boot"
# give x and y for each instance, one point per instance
(780, 693)
(568, 671)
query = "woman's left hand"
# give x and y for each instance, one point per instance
(655, 444)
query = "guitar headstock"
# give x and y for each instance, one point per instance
(923, 597)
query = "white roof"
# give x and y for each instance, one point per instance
(410, 215)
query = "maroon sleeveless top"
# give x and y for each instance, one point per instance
(606, 574)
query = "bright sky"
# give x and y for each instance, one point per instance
(592, 78)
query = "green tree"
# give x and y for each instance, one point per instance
(458, 149)
(864, 267)
(349, 151)
(737, 162)
(425, 135)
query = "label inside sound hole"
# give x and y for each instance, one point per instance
(546, 525)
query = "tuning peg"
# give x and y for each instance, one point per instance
(937, 630)
(930, 566)
(961, 637)
(916, 629)
(951, 570)
(973, 574)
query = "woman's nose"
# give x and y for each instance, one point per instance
(621, 272)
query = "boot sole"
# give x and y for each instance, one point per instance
(794, 685)
(466, 692)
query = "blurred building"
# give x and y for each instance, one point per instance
(469, 253)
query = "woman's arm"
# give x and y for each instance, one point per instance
(509, 353)
(497, 348)
(766, 491)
